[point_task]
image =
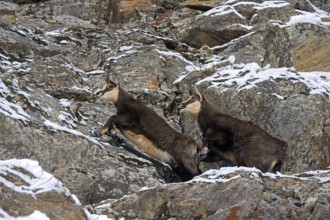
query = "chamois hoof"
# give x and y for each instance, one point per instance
(202, 155)
(95, 132)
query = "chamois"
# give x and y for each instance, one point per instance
(147, 130)
(239, 143)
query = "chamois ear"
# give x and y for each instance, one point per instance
(111, 79)
(197, 93)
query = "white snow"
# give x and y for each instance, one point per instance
(126, 48)
(190, 66)
(247, 76)
(233, 41)
(36, 215)
(277, 96)
(125, 54)
(65, 102)
(95, 72)
(85, 89)
(219, 175)
(271, 4)
(67, 118)
(8, 67)
(9, 108)
(307, 17)
(55, 33)
(37, 181)
(222, 10)
(56, 127)
(300, 17)
(74, 68)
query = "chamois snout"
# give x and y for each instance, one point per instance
(100, 91)
(192, 105)
(190, 159)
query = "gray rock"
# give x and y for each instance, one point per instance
(235, 195)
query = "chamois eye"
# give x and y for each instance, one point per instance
(111, 85)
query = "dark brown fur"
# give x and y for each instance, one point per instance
(239, 142)
(136, 118)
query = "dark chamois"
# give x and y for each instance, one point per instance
(238, 142)
(147, 130)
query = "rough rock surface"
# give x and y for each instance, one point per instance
(237, 194)
(266, 62)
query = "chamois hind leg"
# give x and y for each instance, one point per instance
(272, 165)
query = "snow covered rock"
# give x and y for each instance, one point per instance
(29, 192)
(276, 33)
(230, 193)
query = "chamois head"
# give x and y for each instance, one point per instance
(109, 92)
(193, 104)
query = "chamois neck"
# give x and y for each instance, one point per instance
(208, 107)
(123, 98)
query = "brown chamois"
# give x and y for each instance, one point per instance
(147, 130)
(238, 142)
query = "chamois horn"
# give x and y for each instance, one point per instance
(107, 78)
(197, 92)
(190, 89)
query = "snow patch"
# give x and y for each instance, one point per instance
(10, 109)
(65, 102)
(219, 175)
(125, 48)
(307, 17)
(36, 215)
(125, 54)
(55, 33)
(301, 17)
(39, 181)
(222, 10)
(95, 72)
(56, 127)
(36, 181)
(247, 76)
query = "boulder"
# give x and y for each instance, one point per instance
(236, 193)
(27, 190)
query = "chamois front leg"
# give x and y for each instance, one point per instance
(203, 150)
(109, 126)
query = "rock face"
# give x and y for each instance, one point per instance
(263, 61)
